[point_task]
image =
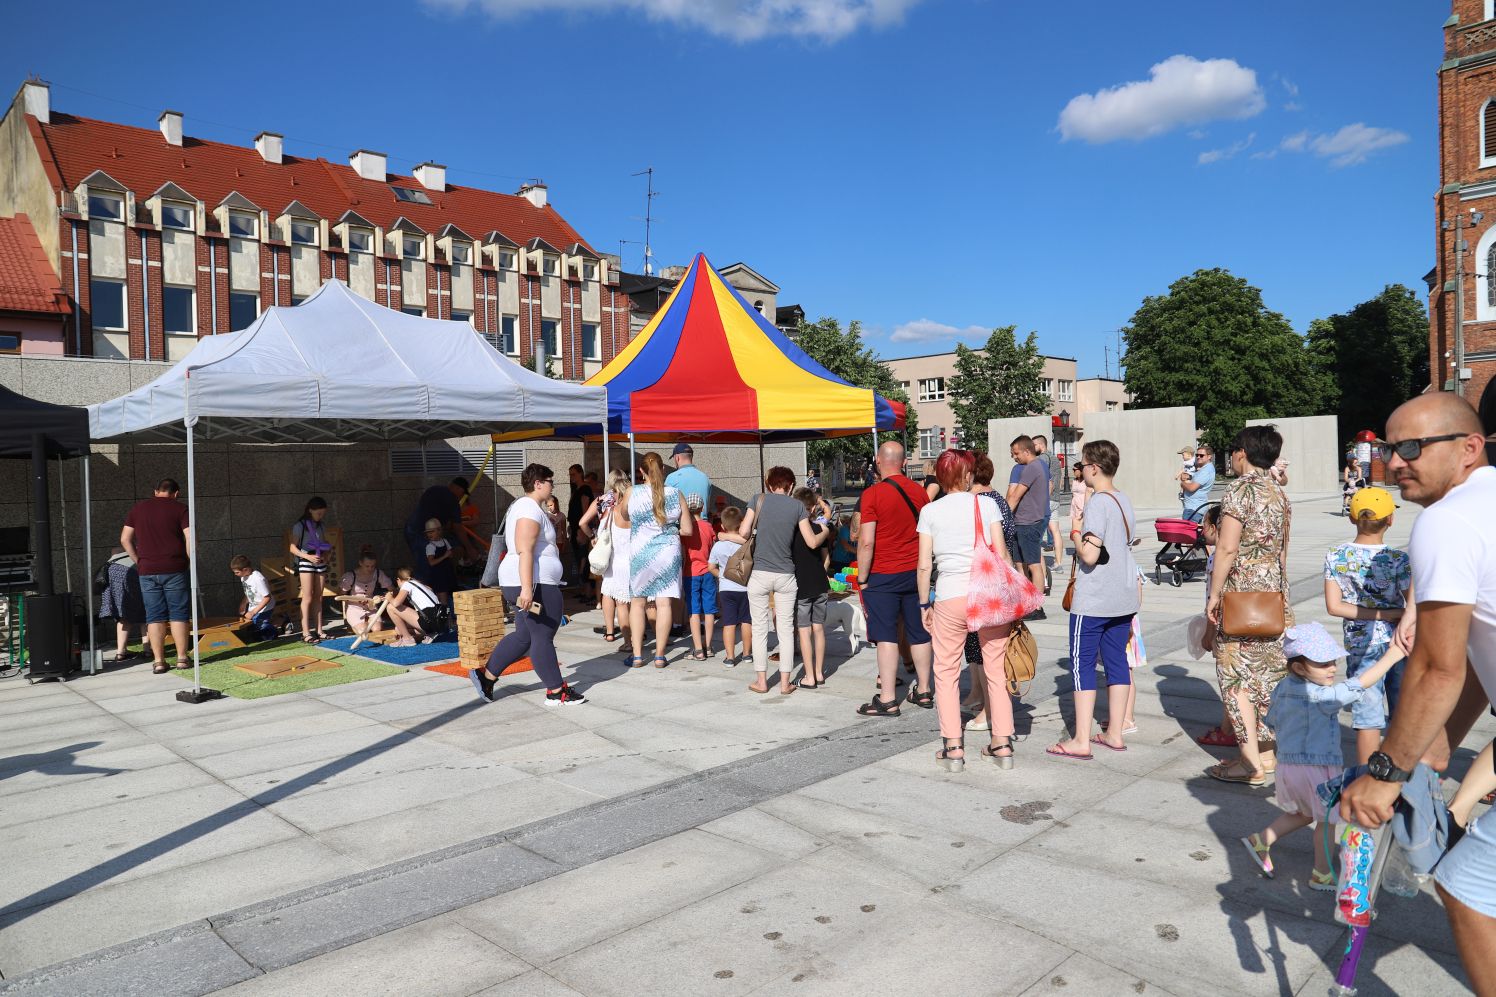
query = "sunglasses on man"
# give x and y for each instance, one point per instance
(1411, 450)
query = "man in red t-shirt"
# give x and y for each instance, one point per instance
(887, 556)
(157, 536)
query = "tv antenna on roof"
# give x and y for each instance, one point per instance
(649, 196)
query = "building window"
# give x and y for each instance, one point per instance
(177, 311)
(304, 233)
(929, 442)
(508, 341)
(758, 306)
(410, 195)
(590, 343)
(589, 271)
(462, 316)
(360, 241)
(412, 249)
(1046, 385)
(506, 259)
(413, 310)
(10, 342)
(297, 299)
(176, 216)
(1488, 133)
(548, 337)
(243, 224)
(1067, 391)
(244, 308)
(461, 252)
(931, 389)
(106, 206)
(548, 264)
(108, 297)
(904, 387)
(1111, 406)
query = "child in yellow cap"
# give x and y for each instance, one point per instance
(1369, 586)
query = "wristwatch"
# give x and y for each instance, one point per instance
(1381, 767)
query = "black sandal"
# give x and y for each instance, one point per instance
(951, 762)
(924, 700)
(1001, 761)
(877, 708)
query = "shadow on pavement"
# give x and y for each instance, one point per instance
(58, 761)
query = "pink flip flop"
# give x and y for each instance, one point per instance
(1098, 739)
(1060, 752)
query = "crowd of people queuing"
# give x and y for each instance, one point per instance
(945, 570)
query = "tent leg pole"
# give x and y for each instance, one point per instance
(197, 694)
(761, 457)
(93, 654)
(633, 462)
(606, 466)
(62, 502)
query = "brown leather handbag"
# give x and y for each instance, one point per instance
(1253, 615)
(1070, 586)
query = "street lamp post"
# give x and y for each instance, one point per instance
(1060, 424)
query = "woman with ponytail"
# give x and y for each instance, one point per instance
(657, 518)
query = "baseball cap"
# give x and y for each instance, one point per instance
(1377, 501)
(1311, 641)
(681, 448)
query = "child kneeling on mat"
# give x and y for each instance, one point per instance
(256, 606)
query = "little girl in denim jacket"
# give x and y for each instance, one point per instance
(1305, 715)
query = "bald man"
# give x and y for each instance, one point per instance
(887, 556)
(1436, 453)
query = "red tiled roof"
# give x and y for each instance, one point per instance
(141, 159)
(27, 283)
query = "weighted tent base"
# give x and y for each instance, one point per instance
(198, 695)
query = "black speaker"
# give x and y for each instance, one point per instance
(50, 646)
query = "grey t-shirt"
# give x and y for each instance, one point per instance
(1034, 506)
(776, 525)
(1109, 589)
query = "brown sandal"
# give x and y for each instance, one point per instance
(1236, 771)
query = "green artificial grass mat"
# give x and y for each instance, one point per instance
(218, 671)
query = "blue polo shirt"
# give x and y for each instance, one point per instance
(1205, 477)
(692, 480)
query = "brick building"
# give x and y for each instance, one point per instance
(156, 238)
(1464, 359)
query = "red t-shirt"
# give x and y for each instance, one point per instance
(158, 524)
(698, 546)
(895, 542)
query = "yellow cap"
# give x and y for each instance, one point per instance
(1377, 501)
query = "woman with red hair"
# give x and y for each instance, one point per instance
(948, 540)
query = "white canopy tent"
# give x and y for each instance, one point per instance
(339, 368)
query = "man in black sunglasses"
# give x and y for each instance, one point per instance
(1435, 452)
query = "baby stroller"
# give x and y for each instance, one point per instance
(1183, 554)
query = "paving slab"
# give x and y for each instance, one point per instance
(1082, 976)
(200, 962)
(535, 983)
(78, 799)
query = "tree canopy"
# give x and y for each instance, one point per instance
(1376, 356)
(842, 352)
(1212, 343)
(999, 381)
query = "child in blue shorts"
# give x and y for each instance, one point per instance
(1369, 586)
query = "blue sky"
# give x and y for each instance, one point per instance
(931, 167)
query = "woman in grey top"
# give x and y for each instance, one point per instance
(777, 516)
(1105, 601)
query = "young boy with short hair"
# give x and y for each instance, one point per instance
(700, 584)
(732, 598)
(256, 606)
(1369, 586)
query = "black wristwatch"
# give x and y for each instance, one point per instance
(1381, 767)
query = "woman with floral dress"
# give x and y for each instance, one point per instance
(657, 518)
(1251, 556)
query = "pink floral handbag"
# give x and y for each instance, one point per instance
(997, 593)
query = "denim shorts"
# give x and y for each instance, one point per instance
(811, 612)
(734, 607)
(1031, 541)
(1468, 870)
(1371, 710)
(886, 599)
(701, 595)
(167, 597)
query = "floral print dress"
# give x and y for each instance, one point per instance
(1255, 665)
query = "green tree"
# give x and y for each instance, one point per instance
(1211, 343)
(842, 352)
(1376, 355)
(999, 381)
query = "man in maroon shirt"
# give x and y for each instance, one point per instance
(887, 556)
(157, 535)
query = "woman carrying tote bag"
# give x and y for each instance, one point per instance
(1249, 601)
(976, 590)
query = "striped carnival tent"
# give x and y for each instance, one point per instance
(709, 367)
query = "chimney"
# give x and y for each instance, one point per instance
(534, 192)
(38, 100)
(268, 145)
(171, 127)
(369, 165)
(433, 176)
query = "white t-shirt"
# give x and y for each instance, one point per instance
(1454, 560)
(548, 569)
(255, 588)
(722, 550)
(1363, 453)
(436, 548)
(949, 521)
(418, 595)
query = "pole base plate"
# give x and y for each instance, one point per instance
(198, 695)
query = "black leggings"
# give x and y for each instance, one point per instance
(533, 635)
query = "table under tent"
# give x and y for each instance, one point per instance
(337, 368)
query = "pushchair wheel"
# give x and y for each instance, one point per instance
(1177, 579)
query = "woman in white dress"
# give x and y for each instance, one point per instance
(657, 518)
(607, 512)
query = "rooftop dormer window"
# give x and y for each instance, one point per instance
(304, 233)
(176, 216)
(360, 241)
(506, 259)
(589, 270)
(410, 195)
(461, 252)
(412, 248)
(243, 225)
(549, 264)
(106, 206)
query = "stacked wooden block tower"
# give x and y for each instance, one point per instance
(480, 624)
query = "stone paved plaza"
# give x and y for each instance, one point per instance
(677, 834)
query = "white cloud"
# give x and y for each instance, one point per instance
(1295, 142)
(921, 330)
(1181, 90)
(1289, 86)
(1216, 155)
(1197, 133)
(739, 20)
(1353, 143)
(1293, 105)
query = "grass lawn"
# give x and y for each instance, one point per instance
(219, 673)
